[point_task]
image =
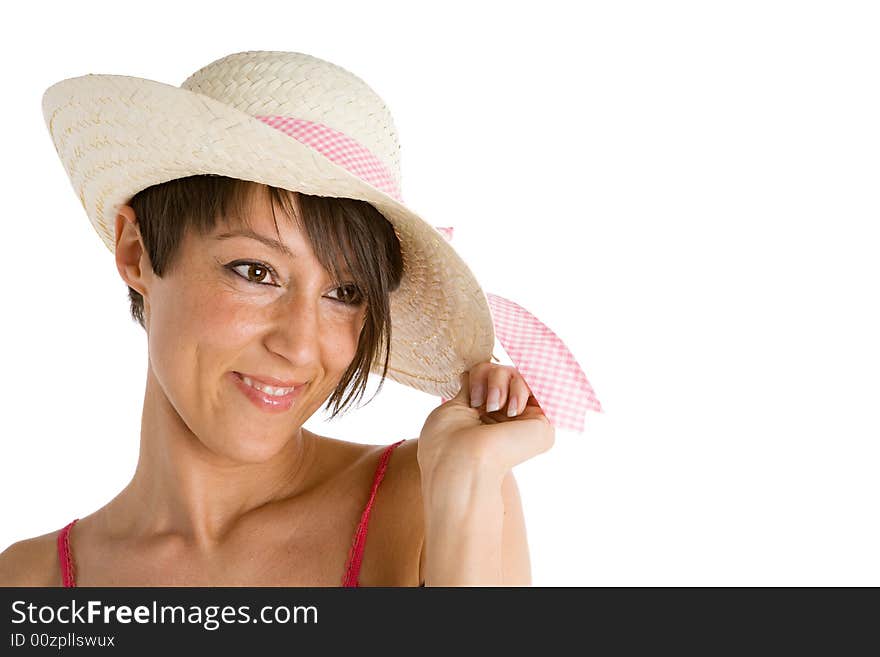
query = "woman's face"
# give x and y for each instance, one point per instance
(232, 306)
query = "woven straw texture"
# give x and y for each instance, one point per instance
(117, 135)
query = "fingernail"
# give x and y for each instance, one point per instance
(494, 402)
(512, 407)
(477, 396)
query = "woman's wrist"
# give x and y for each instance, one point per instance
(458, 490)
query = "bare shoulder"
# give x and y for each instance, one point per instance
(396, 522)
(31, 562)
(411, 511)
(405, 514)
(401, 484)
(402, 469)
(404, 466)
(396, 535)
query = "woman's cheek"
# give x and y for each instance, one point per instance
(227, 310)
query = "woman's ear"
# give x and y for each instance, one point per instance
(132, 260)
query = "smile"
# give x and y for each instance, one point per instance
(271, 399)
(276, 392)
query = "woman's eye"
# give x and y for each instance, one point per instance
(256, 272)
(253, 272)
(353, 296)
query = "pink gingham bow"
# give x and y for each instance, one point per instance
(539, 355)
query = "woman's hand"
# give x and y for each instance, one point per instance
(471, 437)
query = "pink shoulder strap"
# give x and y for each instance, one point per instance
(356, 553)
(68, 575)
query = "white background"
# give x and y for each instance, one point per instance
(686, 192)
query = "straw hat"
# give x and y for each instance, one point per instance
(289, 120)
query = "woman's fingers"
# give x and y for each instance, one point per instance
(478, 379)
(518, 395)
(498, 388)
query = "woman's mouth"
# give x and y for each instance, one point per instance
(273, 399)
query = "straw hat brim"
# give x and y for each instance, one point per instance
(117, 135)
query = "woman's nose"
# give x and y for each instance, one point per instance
(296, 330)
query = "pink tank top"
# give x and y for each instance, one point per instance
(355, 554)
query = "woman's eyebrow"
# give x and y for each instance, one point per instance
(268, 241)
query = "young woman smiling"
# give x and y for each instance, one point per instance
(256, 216)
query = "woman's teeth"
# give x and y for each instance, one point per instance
(269, 390)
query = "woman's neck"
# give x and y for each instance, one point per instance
(183, 488)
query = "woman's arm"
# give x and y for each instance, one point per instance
(474, 534)
(474, 530)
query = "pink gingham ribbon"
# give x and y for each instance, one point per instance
(341, 149)
(556, 380)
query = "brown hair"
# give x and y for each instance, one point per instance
(337, 228)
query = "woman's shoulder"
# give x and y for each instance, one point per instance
(402, 464)
(400, 491)
(396, 526)
(393, 555)
(31, 562)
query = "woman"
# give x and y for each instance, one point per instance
(260, 302)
